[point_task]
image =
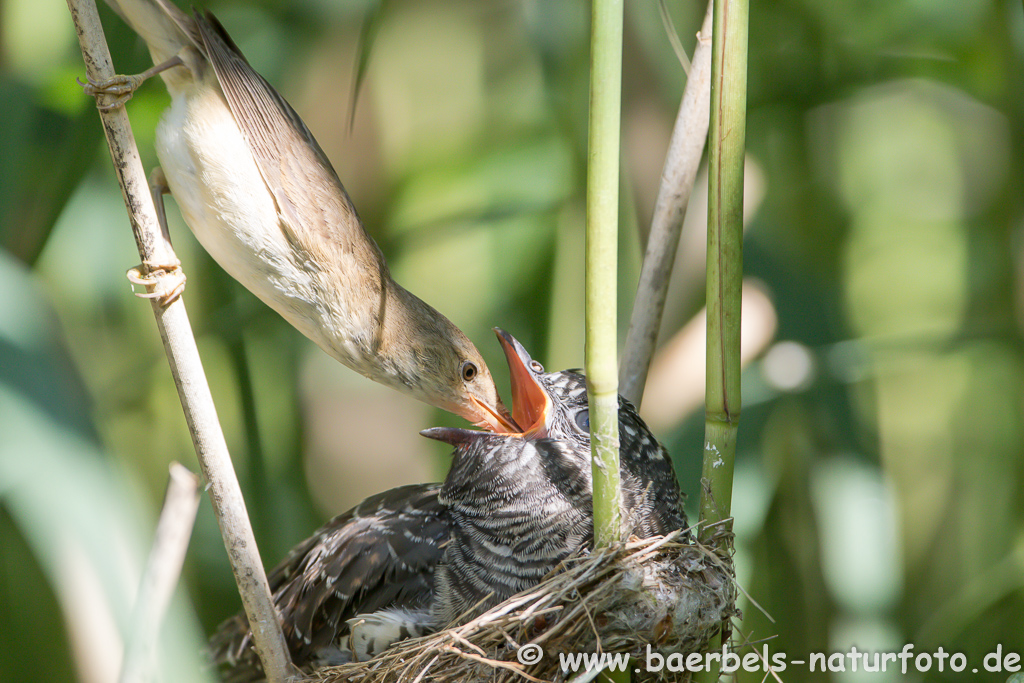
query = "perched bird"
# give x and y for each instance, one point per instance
(262, 198)
(411, 560)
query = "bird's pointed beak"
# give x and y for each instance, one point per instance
(495, 418)
(530, 402)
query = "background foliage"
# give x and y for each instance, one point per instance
(879, 484)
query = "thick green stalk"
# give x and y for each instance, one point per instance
(725, 256)
(601, 252)
(726, 139)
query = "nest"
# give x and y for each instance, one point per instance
(651, 595)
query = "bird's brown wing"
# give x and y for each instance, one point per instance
(314, 208)
(380, 553)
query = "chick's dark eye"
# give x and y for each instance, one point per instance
(469, 371)
(537, 367)
(583, 420)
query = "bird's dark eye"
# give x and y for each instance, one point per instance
(537, 367)
(583, 420)
(469, 371)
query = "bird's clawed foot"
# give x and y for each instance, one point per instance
(163, 282)
(120, 88)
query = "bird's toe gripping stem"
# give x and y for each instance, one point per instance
(120, 88)
(163, 282)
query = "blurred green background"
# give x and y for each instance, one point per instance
(879, 484)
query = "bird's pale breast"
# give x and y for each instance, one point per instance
(225, 201)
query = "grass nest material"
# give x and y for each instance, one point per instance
(654, 592)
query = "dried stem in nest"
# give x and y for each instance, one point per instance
(656, 592)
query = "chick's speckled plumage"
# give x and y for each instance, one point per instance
(517, 508)
(652, 502)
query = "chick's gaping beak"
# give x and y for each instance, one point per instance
(530, 402)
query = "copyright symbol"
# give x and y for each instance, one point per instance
(530, 654)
